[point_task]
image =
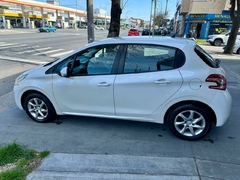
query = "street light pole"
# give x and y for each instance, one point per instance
(76, 15)
(150, 17)
(90, 21)
(154, 16)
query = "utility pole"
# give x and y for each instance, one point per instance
(166, 7)
(150, 24)
(90, 23)
(154, 15)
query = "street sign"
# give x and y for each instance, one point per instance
(1, 12)
(26, 14)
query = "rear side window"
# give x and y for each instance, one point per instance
(148, 58)
(205, 57)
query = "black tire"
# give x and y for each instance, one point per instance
(212, 43)
(217, 42)
(182, 122)
(39, 108)
(238, 51)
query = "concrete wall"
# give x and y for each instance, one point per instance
(208, 6)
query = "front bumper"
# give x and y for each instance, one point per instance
(210, 40)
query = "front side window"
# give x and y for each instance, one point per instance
(93, 61)
(145, 58)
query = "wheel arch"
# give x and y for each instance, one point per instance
(197, 103)
(238, 51)
(25, 94)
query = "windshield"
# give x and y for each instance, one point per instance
(207, 58)
(225, 32)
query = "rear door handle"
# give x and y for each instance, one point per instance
(162, 81)
(103, 84)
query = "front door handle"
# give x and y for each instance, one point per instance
(162, 81)
(103, 84)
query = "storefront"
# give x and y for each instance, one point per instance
(203, 25)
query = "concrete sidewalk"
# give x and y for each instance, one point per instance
(59, 166)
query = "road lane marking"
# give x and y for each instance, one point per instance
(38, 49)
(13, 46)
(61, 54)
(47, 52)
(7, 44)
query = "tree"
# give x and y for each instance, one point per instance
(116, 12)
(159, 20)
(235, 17)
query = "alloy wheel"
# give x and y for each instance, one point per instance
(37, 108)
(189, 123)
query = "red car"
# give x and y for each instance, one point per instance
(133, 32)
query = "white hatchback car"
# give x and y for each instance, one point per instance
(159, 80)
(236, 48)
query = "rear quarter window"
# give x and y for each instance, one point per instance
(208, 59)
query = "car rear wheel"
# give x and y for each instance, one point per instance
(39, 108)
(189, 122)
(218, 42)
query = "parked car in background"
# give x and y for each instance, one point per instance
(47, 29)
(157, 32)
(83, 27)
(146, 32)
(219, 39)
(236, 48)
(133, 32)
(97, 27)
(164, 31)
(158, 80)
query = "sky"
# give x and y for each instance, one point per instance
(133, 8)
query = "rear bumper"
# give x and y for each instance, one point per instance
(222, 110)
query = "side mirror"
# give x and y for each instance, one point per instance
(64, 72)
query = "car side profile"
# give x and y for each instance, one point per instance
(219, 39)
(47, 29)
(158, 80)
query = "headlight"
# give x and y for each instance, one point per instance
(20, 78)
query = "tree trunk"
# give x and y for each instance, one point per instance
(116, 12)
(235, 16)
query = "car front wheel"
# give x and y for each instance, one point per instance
(217, 42)
(189, 122)
(39, 108)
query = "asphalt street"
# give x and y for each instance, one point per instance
(95, 148)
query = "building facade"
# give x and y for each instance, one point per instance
(34, 14)
(203, 17)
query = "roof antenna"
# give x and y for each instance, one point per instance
(173, 36)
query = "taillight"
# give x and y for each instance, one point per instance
(220, 80)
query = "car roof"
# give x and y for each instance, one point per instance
(166, 41)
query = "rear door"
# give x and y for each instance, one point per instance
(149, 78)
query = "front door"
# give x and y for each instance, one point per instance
(89, 87)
